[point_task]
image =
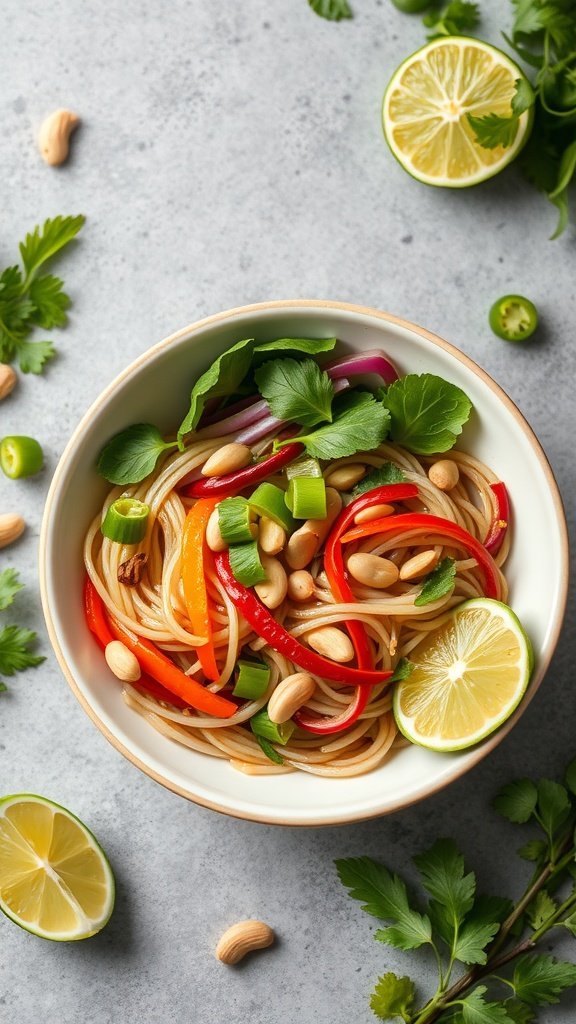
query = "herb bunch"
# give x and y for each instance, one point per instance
(485, 947)
(15, 641)
(30, 300)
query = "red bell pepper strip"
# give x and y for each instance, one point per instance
(194, 557)
(231, 483)
(500, 523)
(263, 623)
(435, 524)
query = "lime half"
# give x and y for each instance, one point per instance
(426, 103)
(468, 677)
(55, 880)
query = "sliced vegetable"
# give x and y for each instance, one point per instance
(500, 523)
(306, 497)
(20, 456)
(126, 521)
(245, 563)
(513, 318)
(252, 680)
(372, 361)
(272, 731)
(196, 556)
(270, 751)
(268, 500)
(304, 466)
(223, 486)
(234, 521)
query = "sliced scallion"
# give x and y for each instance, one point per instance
(272, 731)
(268, 500)
(304, 466)
(245, 563)
(20, 456)
(306, 497)
(270, 751)
(252, 681)
(125, 521)
(234, 521)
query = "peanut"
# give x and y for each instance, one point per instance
(289, 695)
(272, 590)
(373, 512)
(11, 526)
(306, 542)
(122, 662)
(228, 459)
(300, 585)
(272, 537)
(7, 380)
(54, 137)
(444, 474)
(372, 570)
(243, 938)
(214, 538)
(331, 642)
(419, 565)
(345, 477)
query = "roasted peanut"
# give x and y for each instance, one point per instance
(11, 526)
(214, 538)
(122, 662)
(272, 537)
(372, 570)
(289, 695)
(444, 474)
(306, 541)
(346, 477)
(54, 137)
(419, 565)
(300, 585)
(272, 590)
(7, 380)
(227, 459)
(331, 642)
(241, 939)
(373, 512)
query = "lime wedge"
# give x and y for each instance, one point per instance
(468, 677)
(426, 103)
(55, 880)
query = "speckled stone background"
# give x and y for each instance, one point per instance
(232, 152)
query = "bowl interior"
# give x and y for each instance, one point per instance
(156, 389)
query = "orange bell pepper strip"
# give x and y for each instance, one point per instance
(194, 557)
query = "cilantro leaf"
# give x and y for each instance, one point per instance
(332, 10)
(385, 896)
(480, 926)
(9, 587)
(360, 424)
(534, 850)
(570, 923)
(541, 909)
(49, 301)
(539, 980)
(475, 1009)
(33, 355)
(427, 413)
(517, 801)
(403, 669)
(438, 582)
(131, 455)
(380, 477)
(392, 997)
(492, 130)
(455, 18)
(14, 653)
(554, 805)
(452, 892)
(298, 391)
(41, 245)
(519, 1013)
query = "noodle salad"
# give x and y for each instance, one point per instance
(277, 584)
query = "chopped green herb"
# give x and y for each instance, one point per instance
(131, 455)
(9, 587)
(437, 583)
(427, 413)
(270, 751)
(332, 10)
(234, 520)
(298, 391)
(20, 456)
(360, 424)
(456, 18)
(403, 669)
(245, 563)
(386, 474)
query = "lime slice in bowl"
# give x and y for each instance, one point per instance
(55, 879)
(468, 677)
(426, 104)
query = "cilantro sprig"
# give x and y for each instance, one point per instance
(332, 10)
(485, 947)
(15, 642)
(30, 300)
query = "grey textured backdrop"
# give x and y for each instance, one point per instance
(231, 153)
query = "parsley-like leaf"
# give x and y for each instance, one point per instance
(517, 801)
(427, 413)
(452, 891)
(385, 896)
(298, 391)
(438, 582)
(33, 355)
(50, 302)
(534, 850)
(480, 926)
(360, 424)
(9, 587)
(380, 477)
(455, 18)
(14, 653)
(570, 923)
(476, 1010)
(554, 805)
(131, 455)
(541, 909)
(41, 245)
(492, 130)
(332, 10)
(392, 997)
(519, 1013)
(539, 980)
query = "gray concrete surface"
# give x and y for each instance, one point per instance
(231, 153)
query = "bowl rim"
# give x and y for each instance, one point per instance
(475, 755)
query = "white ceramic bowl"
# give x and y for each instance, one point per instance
(156, 389)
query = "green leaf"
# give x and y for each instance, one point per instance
(541, 909)
(560, 201)
(131, 455)
(570, 777)
(14, 653)
(384, 896)
(298, 391)
(534, 850)
(452, 892)
(403, 669)
(9, 587)
(49, 301)
(270, 751)
(360, 424)
(554, 805)
(438, 582)
(393, 997)
(491, 130)
(456, 17)
(33, 355)
(332, 10)
(380, 477)
(570, 923)
(427, 413)
(480, 926)
(42, 244)
(523, 97)
(539, 980)
(291, 346)
(517, 801)
(475, 1009)
(519, 1012)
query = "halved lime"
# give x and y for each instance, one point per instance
(55, 880)
(426, 103)
(468, 677)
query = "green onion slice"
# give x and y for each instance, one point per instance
(234, 521)
(245, 563)
(276, 733)
(125, 521)
(306, 497)
(20, 456)
(253, 679)
(304, 466)
(268, 500)
(270, 751)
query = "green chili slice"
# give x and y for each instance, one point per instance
(20, 456)
(125, 521)
(513, 318)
